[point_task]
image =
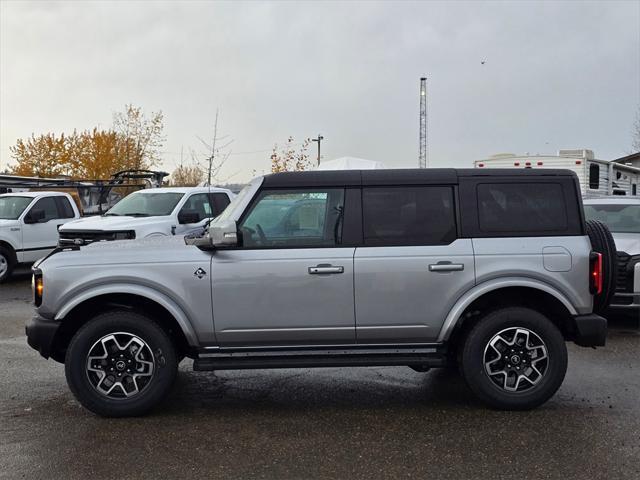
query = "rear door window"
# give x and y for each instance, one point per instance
(408, 215)
(219, 201)
(64, 207)
(521, 208)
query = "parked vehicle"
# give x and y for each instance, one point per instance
(29, 223)
(492, 270)
(622, 216)
(598, 178)
(149, 213)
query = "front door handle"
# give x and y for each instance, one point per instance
(324, 268)
(446, 267)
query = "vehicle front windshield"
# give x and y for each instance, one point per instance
(12, 207)
(619, 218)
(146, 204)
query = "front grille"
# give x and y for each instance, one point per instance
(85, 237)
(624, 280)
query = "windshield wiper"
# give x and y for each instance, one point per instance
(111, 214)
(136, 215)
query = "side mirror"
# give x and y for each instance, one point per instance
(34, 216)
(188, 216)
(220, 235)
(223, 234)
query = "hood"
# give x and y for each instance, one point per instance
(627, 242)
(111, 223)
(8, 223)
(128, 252)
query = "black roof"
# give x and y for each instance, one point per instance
(400, 176)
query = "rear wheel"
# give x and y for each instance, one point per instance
(514, 359)
(603, 243)
(6, 263)
(120, 364)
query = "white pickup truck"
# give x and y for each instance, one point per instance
(29, 223)
(150, 213)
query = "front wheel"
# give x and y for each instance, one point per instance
(514, 359)
(120, 364)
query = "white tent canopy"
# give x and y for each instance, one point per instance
(350, 163)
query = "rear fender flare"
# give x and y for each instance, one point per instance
(479, 290)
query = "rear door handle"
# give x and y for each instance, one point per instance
(320, 269)
(446, 267)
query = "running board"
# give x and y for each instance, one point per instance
(420, 357)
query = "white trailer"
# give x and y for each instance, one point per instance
(598, 178)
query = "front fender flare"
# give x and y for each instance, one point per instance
(489, 286)
(133, 289)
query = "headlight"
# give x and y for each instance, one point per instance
(38, 286)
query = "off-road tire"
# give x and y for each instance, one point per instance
(7, 263)
(164, 357)
(603, 243)
(475, 345)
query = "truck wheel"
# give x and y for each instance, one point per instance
(120, 364)
(603, 243)
(514, 359)
(7, 263)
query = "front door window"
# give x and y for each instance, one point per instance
(294, 218)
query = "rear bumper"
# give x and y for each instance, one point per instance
(41, 334)
(589, 330)
(626, 301)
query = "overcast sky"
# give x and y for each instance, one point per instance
(557, 75)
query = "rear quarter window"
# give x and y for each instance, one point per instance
(521, 208)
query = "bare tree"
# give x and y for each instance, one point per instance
(141, 136)
(215, 156)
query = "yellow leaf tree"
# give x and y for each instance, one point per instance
(133, 143)
(187, 176)
(288, 159)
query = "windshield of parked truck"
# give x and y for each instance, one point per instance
(619, 218)
(146, 204)
(11, 207)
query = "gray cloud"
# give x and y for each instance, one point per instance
(558, 75)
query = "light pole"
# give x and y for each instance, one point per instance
(319, 139)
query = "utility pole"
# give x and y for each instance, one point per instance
(319, 139)
(423, 159)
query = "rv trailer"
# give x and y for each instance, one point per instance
(598, 178)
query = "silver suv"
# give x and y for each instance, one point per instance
(488, 270)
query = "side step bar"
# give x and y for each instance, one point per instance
(420, 357)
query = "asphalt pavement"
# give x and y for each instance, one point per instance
(360, 423)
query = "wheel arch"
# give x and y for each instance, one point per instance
(11, 249)
(508, 292)
(143, 300)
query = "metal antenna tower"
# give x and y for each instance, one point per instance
(423, 161)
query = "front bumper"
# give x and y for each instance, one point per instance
(625, 301)
(589, 330)
(41, 334)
